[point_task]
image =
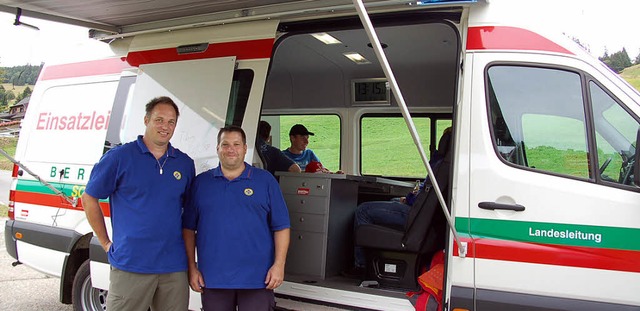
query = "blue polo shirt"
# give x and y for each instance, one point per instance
(145, 206)
(302, 159)
(234, 222)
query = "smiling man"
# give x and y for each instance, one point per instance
(237, 220)
(146, 182)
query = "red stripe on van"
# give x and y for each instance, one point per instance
(55, 201)
(89, 68)
(510, 38)
(241, 49)
(557, 255)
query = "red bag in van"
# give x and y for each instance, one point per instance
(431, 283)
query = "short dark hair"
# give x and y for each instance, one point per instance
(264, 129)
(161, 100)
(233, 128)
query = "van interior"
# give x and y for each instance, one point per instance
(360, 131)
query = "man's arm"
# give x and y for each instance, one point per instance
(294, 168)
(275, 276)
(195, 277)
(96, 220)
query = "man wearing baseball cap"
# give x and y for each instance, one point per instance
(298, 152)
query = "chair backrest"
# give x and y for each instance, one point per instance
(426, 223)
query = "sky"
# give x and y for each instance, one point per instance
(598, 26)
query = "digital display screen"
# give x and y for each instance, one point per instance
(370, 91)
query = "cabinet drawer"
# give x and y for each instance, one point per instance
(306, 254)
(307, 204)
(308, 222)
(301, 185)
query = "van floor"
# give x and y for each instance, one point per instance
(348, 284)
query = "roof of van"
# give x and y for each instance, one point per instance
(110, 17)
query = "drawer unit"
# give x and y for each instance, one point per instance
(321, 210)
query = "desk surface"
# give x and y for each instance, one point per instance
(366, 179)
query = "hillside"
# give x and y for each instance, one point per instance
(632, 75)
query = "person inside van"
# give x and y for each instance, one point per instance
(298, 152)
(392, 213)
(274, 159)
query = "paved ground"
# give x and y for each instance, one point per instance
(22, 288)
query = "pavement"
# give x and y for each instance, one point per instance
(24, 288)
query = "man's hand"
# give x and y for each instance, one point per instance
(275, 276)
(196, 282)
(106, 246)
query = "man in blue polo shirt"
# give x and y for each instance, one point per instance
(146, 182)
(237, 219)
(298, 152)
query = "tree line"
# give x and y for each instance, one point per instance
(20, 75)
(618, 61)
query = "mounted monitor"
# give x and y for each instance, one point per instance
(370, 92)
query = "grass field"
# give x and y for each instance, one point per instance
(8, 144)
(632, 75)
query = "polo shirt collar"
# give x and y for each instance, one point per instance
(144, 149)
(246, 174)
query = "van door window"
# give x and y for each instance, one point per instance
(616, 132)
(538, 120)
(387, 149)
(239, 97)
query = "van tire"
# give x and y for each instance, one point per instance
(84, 296)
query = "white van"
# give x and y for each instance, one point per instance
(541, 183)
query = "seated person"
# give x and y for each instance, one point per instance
(298, 152)
(392, 213)
(274, 159)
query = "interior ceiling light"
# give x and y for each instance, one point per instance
(326, 38)
(356, 58)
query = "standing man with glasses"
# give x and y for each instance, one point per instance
(146, 182)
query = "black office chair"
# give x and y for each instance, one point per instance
(395, 257)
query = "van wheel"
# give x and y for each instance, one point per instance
(84, 296)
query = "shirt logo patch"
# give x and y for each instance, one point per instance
(248, 192)
(177, 175)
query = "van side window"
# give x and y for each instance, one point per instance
(616, 132)
(239, 97)
(387, 149)
(325, 142)
(123, 95)
(538, 120)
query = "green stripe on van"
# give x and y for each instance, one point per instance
(552, 233)
(38, 187)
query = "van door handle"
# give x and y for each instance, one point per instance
(501, 206)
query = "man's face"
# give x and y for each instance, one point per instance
(231, 150)
(160, 124)
(299, 142)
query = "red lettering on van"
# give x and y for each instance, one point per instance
(81, 122)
